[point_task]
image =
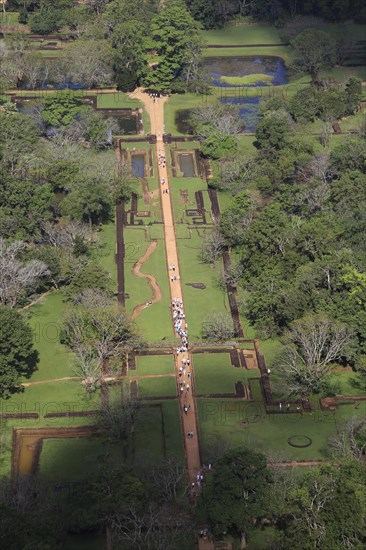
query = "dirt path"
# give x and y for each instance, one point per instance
(36, 300)
(26, 384)
(105, 379)
(189, 424)
(156, 296)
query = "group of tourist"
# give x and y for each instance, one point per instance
(199, 480)
(181, 330)
(154, 95)
(178, 320)
(161, 159)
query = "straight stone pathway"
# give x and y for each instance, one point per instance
(189, 422)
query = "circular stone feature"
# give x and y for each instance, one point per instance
(299, 441)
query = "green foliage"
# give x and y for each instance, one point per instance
(62, 109)
(327, 507)
(313, 51)
(17, 199)
(218, 145)
(129, 56)
(50, 16)
(91, 276)
(209, 14)
(51, 256)
(90, 203)
(94, 128)
(23, 16)
(18, 137)
(305, 105)
(351, 155)
(172, 32)
(356, 282)
(18, 358)
(236, 492)
(273, 130)
(353, 95)
(234, 220)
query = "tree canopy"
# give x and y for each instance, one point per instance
(172, 31)
(18, 358)
(236, 492)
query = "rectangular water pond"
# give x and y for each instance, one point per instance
(138, 165)
(186, 165)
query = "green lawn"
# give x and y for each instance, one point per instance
(215, 374)
(154, 321)
(348, 382)
(158, 434)
(45, 320)
(178, 102)
(270, 348)
(199, 303)
(157, 387)
(72, 459)
(222, 420)
(270, 51)
(247, 35)
(51, 397)
(117, 100)
(154, 364)
(191, 185)
(173, 441)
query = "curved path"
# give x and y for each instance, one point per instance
(188, 421)
(151, 279)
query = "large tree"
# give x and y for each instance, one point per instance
(235, 493)
(273, 130)
(18, 278)
(86, 62)
(312, 344)
(17, 199)
(172, 31)
(18, 358)
(313, 50)
(129, 54)
(51, 16)
(99, 334)
(327, 509)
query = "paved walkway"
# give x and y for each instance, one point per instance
(156, 111)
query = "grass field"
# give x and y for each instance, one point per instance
(215, 374)
(246, 35)
(45, 320)
(154, 364)
(157, 387)
(222, 420)
(198, 302)
(158, 434)
(51, 397)
(74, 459)
(154, 321)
